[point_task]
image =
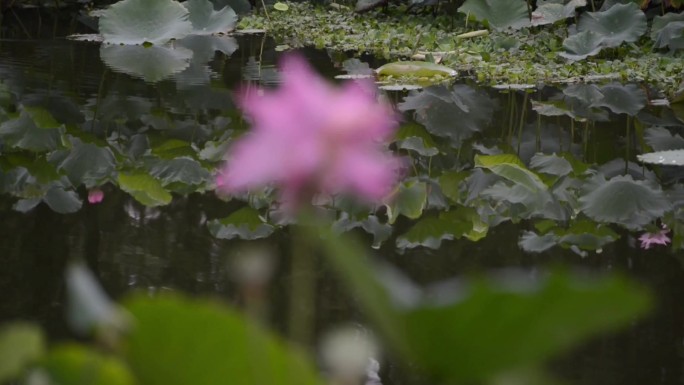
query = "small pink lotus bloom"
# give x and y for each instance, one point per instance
(659, 238)
(312, 137)
(95, 195)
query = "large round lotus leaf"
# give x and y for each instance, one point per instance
(665, 158)
(206, 21)
(661, 139)
(549, 12)
(582, 45)
(621, 23)
(622, 99)
(151, 64)
(668, 31)
(500, 14)
(623, 200)
(144, 21)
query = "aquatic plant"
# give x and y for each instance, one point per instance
(309, 137)
(134, 22)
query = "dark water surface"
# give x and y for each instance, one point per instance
(169, 248)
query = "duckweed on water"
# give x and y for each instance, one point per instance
(527, 56)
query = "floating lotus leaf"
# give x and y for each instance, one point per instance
(151, 64)
(207, 343)
(61, 200)
(144, 21)
(582, 45)
(622, 99)
(549, 12)
(665, 158)
(415, 69)
(244, 223)
(620, 23)
(206, 21)
(500, 14)
(668, 31)
(623, 200)
(430, 232)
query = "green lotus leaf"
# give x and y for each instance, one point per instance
(24, 133)
(207, 343)
(532, 242)
(415, 69)
(582, 45)
(144, 188)
(668, 31)
(623, 200)
(430, 232)
(620, 23)
(206, 21)
(493, 326)
(586, 93)
(21, 344)
(282, 7)
(551, 11)
(661, 139)
(144, 21)
(586, 235)
(87, 163)
(151, 64)
(622, 99)
(456, 113)
(61, 200)
(510, 167)
(245, 223)
(204, 47)
(72, 364)
(180, 170)
(409, 199)
(551, 164)
(414, 137)
(500, 14)
(665, 158)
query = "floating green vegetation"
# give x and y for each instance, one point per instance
(526, 56)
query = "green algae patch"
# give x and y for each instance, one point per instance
(526, 56)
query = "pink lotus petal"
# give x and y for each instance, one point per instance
(309, 136)
(659, 238)
(95, 196)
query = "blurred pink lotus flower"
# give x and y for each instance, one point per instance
(311, 137)
(659, 238)
(95, 196)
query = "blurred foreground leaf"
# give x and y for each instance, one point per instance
(20, 344)
(78, 365)
(180, 341)
(517, 322)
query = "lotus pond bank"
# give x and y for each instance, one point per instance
(526, 56)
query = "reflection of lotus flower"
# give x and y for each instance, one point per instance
(311, 137)
(95, 196)
(659, 238)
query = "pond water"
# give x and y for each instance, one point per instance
(73, 94)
